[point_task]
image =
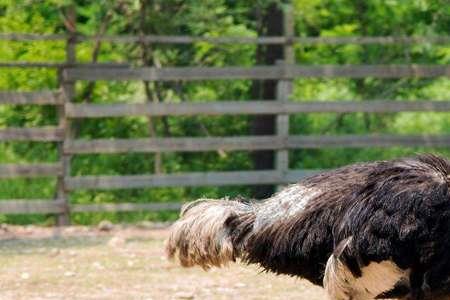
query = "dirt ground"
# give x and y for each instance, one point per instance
(111, 262)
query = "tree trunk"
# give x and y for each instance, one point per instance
(271, 24)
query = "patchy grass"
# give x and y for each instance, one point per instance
(123, 263)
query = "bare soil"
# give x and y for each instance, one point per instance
(120, 262)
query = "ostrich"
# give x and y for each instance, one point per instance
(377, 230)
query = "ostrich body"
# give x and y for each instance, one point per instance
(377, 230)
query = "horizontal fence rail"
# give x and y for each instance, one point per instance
(28, 206)
(30, 170)
(31, 134)
(268, 40)
(356, 141)
(60, 65)
(124, 207)
(175, 144)
(251, 107)
(44, 134)
(39, 98)
(251, 143)
(257, 72)
(26, 64)
(186, 179)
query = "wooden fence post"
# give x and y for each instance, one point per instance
(68, 94)
(284, 90)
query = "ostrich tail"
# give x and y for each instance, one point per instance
(209, 233)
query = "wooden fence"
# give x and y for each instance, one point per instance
(284, 72)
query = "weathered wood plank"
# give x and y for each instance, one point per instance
(43, 134)
(47, 64)
(183, 179)
(117, 207)
(39, 98)
(356, 141)
(170, 39)
(69, 90)
(251, 107)
(284, 90)
(174, 144)
(275, 40)
(370, 40)
(25, 37)
(31, 206)
(362, 71)
(251, 143)
(369, 106)
(173, 73)
(256, 72)
(267, 40)
(24, 64)
(30, 170)
(59, 65)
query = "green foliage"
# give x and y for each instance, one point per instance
(212, 18)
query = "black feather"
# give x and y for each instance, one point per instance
(397, 210)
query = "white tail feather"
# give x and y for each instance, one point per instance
(376, 278)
